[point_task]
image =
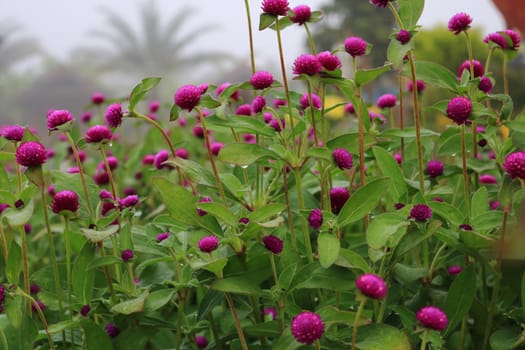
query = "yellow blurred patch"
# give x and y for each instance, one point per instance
(504, 131)
(339, 111)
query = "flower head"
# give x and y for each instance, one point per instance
(306, 64)
(188, 97)
(305, 101)
(459, 22)
(154, 106)
(459, 109)
(65, 202)
(85, 309)
(421, 212)
(208, 244)
(258, 104)
(128, 201)
(338, 198)
(182, 153)
(162, 236)
(98, 98)
(127, 255)
(420, 85)
(40, 305)
(201, 212)
(34, 288)
(477, 67)
(98, 133)
(58, 118)
(485, 85)
(342, 158)
(377, 118)
(315, 219)
(386, 101)
(273, 244)
(433, 318)
(271, 313)
(434, 168)
(301, 14)
(506, 40)
(514, 38)
(31, 154)
(403, 36)
(355, 46)
(113, 115)
(307, 327)
(514, 165)
(215, 148)
(329, 61)
(275, 7)
(86, 117)
(380, 3)
(112, 330)
(349, 108)
(160, 158)
(454, 270)
(201, 341)
(261, 80)
(487, 179)
(244, 109)
(371, 285)
(398, 157)
(12, 132)
(234, 95)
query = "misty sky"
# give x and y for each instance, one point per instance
(62, 25)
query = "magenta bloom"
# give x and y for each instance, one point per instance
(380, 3)
(305, 101)
(485, 85)
(128, 201)
(162, 236)
(112, 330)
(65, 201)
(208, 244)
(301, 14)
(306, 64)
(500, 39)
(307, 327)
(258, 104)
(12, 132)
(113, 115)
(342, 158)
(459, 109)
(387, 101)
(371, 285)
(459, 22)
(244, 109)
(434, 168)
(514, 37)
(215, 148)
(487, 179)
(57, 118)
(421, 212)
(86, 117)
(182, 153)
(338, 198)
(127, 255)
(85, 309)
(154, 106)
(377, 118)
(398, 158)
(98, 133)
(34, 288)
(261, 80)
(160, 158)
(433, 318)
(420, 85)
(276, 124)
(355, 46)
(148, 159)
(234, 95)
(454, 270)
(188, 97)
(514, 165)
(275, 7)
(31, 154)
(329, 61)
(477, 66)
(403, 36)
(273, 244)
(201, 212)
(349, 108)
(270, 312)
(98, 98)
(40, 305)
(201, 341)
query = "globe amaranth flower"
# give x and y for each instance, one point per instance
(307, 327)
(377, 118)
(153, 106)
(514, 38)
(40, 305)
(112, 330)
(270, 313)
(301, 14)
(371, 285)
(244, 221)
(127, 255)
(434, 168)
(27, 228)
(162, 236)
(201, 341)
(305, 101)
(128, 201)
(34, 289)
(403, 36)
(258, 104)
(454, 270)
(329, 61)
(65, 202)
(485, 85)
(113, 116)
(12, 132)
(420, 212)
(201, 212)
(355, 46)
(459, 22)
(215, 148)
(244, 109)
(420, 85)
(487, 179)
(342, 158)
(86, 117)
(399, 158)
(514, 165)
(459, 109)
(273, 244)
(58, 118)
(279, 102)
(31, 154)
(507, 39)
(160, 158)
(275, 7)
(85, 309)
(306, 64)
(208, 244)
(476, 66)
(387, 101)
(98, 98)
(277, 124)
(234, 95)
(187, 97)
(338, 198)
(380, 3)
(432, 317)
(349, 108)
(261, 80)
(182, 153)
(98, 133)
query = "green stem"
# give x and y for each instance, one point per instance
(24, 264)
(487, 61)
(108, 171)
(289, 210)
(470, 55)
(463, 332)
(108, 275)
(250, 34)
(465, 174)
(505, 76)
(434, 261)
(32, 301)
(317, 345)
(361, 127)
(131, 277)
(310, 39)
(418, 123)
(274, 271)
(312, 113)
(425, 340)
(237, 322)
(67, 242)
(4, 241)
(401, 114)
(306, 230)
(356, 321)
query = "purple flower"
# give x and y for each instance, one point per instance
(514, 38)
(40, 305)
(315, 219)
(276, 124)
(182, 153)
(307, 327)
(387, 101)
(162, 236)
(154, 106)
(377, 118)
(112, 330)
(234, 95)
(399, 206)
(514, 165)
(420, 85)
(459, 22)
(98, 133)
(261, 80)
(306, 64)
(258, 104)
(2, 293)
(342, 158)
(380, 3)
(34, 288)
(27, 228)
(160, 158)
(127, 255)
(398, 158)
(113, 115)
(434, 168)
(329, 61)
(487, 179)
(500, 39)
(421, 212)
(301, 14)
(188, 97)
(454, 270)
(201, 341)
(270, 312)
(349, 108)
(31, 154)
(459, 109)
(433, 318)
(148, 159)
(275, 7)
(338, 198)
(244, 109)
(477, 66)
(403, 36)
(485, 85)
(355, 46)
(273, 244)
(279, 102)
(65, 202)
(12, 132)
(305, 101)
(371, 285)
(85, 309)
(208, 244)
(438, 199)
(201, 212)
(98, 98)
(58, 118)
(129, 201)
(86, 117)
(215, 148)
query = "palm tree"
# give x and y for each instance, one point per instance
(13, 48)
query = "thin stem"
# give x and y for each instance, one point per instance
(465, 174)
(33, 302)
(317, 345)
(4, 242)
(470, 55)
(312, 113)
(108, 171)
(361, 127)
(108, 275)
(24, 264)
(356, 321)
(306, 231)
(401, 114)
(240, 332)
(310, 39)
(250, 34)
(289, 210)
(463, 332)
(131, 277)
(489, 57)
(274, 271)
(505, 75)
(67, 241)
(434, 261)
(425, 340)
(417, 122)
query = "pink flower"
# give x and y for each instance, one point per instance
(127, 255)
(433, 318)
(31, 154)
(201, 212)
(86, 117)
(338, 198)
(271, 313)
(514, 165)
(380, 3)
(355, 46)
(154, 106)
(208, 244)
(485, 85)
(113, 115)
(403, 36)
(182, 153)
(342, 158)
(57, 118)
(459, 22)
(98, 133)
(258, 104)
(12, 132)
(454, 270)
(315, 219)
(387, 101)
(234, 95)
(275, 7)
(244, 109)
(98, 98)
(128, 201)
(65, 201)
(188, 97)
(162, 236)
(160, 158)
(301, 14)
(201, 341)
(434, 168)
(459, 109)
(421, 212)
(215, 148)
(273, 244)
(371, 285)
(329, 61)
(487, 179)
(349, 108)
(261, 80)
(305, 101)
(398, 158)
(112, 330)
(307, 327)
(477, 66)
(420, 85)
(306, 64)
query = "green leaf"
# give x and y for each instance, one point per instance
(220, 212)
(158, 299)
(63, 325)
(452, 145)
(460, 297)
(350, 259)
(389, 167)
(18, 217)
(174, 112)
(362, 201)
(383, 227)
(101, 261)
(129, 307)
(266, 20)
(140, 90)
(15, 311)
(350, 142)
(380, 337)
(83, 279)
(407, 274)
(480, 201)
(435, 74)
(410, 11)
(216, 266)
(95, 236)
(6, 156)
(397, 51)
(209, 102)
(96, 337)
(447, 212)
(244, 154)
(267, 212)
(287, 275)
(409, 132)
(236, 285)
(14, 263)
(328, 246)
(504, 339)
(265, 329)
(365, 76)
(22, 337)
(7, 197)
